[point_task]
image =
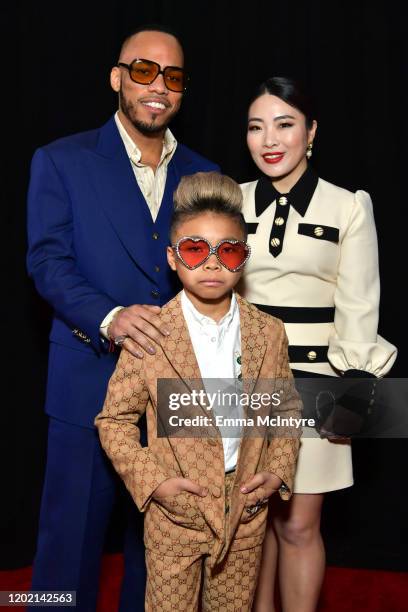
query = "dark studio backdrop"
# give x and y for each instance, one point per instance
(56, 77)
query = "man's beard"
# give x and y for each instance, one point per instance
(147, 129)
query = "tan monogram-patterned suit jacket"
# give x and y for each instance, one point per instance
(186, 524)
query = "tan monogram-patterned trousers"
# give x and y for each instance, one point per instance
(181, 583)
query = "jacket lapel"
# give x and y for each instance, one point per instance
(123, 202)
(178, 347)
(253, 347)
(179, 353)
(179, 350)
(253, 342)
(121, 198)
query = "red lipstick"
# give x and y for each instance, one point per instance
(273, 158)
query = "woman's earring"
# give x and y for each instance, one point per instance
(309, 151)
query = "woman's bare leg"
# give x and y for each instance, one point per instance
(264, 596)
(301, 552)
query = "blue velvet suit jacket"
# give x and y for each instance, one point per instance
(92, 246)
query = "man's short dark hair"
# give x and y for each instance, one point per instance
(150, 27)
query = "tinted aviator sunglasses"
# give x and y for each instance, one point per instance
(145, 71)
(195, 251)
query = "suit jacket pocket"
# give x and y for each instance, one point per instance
(182, 509)
(320, 232)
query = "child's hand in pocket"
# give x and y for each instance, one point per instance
(173, 486)
(259, 489)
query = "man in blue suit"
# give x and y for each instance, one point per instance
(98, 215)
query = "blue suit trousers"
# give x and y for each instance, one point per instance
(80, 489)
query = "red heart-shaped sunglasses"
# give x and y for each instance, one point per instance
(193, 251)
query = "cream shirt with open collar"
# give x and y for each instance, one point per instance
(151, 183)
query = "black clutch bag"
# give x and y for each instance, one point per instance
(341, 407)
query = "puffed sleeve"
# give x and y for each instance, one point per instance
(355, 346)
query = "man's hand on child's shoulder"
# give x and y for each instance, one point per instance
(173, 486)
(139, 328)
(259, 488)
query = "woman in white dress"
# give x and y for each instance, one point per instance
(314, 264)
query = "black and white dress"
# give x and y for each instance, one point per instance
(314, 264)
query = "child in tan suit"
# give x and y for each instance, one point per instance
(205, 496)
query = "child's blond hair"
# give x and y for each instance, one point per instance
(207, 192)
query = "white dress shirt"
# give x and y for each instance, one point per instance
(217, 347)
